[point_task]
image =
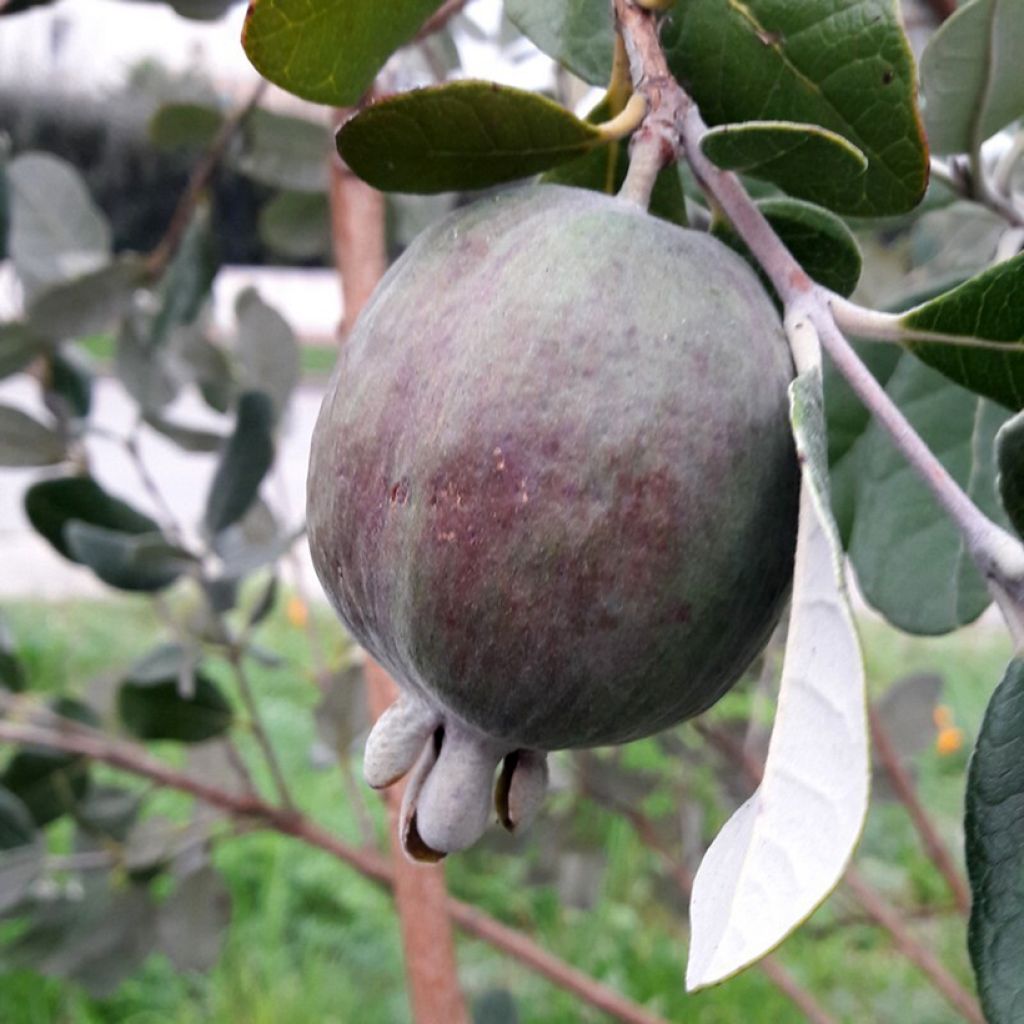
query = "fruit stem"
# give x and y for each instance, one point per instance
(626, 121)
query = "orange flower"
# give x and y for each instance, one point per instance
(949, 740)
(296, 612)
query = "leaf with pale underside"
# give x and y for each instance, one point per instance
(461, 136)
(24, 441)
(804, 160)
(329, 51)
(781, 854)
(971, 76)
(974, 334)
(577, 33)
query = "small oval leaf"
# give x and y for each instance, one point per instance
(157, 710)
(461, 136)
(24, 441)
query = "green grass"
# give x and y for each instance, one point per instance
(312, 941)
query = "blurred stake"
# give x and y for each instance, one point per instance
(357, 229)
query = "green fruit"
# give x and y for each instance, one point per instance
(553, 488)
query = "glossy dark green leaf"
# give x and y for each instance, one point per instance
(158, 711)
(267, 350)
(994, 829)
(910, 562)
(970, 75)
(804, 160)
(16, 825)
(48, 782)
(577, 33)
(982, 322)
(264, 604)
(19, 345)
(88, 304)
(51, 504)
(603, 169)
(56, 232)
(184, 126)
(69, 384)
(1010, 460)
(331, 51)
(143, 562)
(297, 225)
(24, 441)
(188, 280)
(17, 6)
(821, 243)
(460, 136)
(244, 464)
(284, 151)
(844, 65)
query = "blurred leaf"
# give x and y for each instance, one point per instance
(458, 136)
(96, 941)
(769, 61)
(12, 672)
(193, 920)
(804, 160)
(265, 602)
(496, 1006)
(970, 75)
(983, 322)
(156, 710)
(297, 225)
(184, 126)
(19, 345)
(994, 827)
(128, 561)
(56, 230)
(409, 215)
(907, 709)
(268, 353)
(342, 713)
(24, 441)
(284, 151)
(240, 561)
(329, 52)
(16, 825)
(577, 33)
(1010, 462)
(908, 556)
(820, 242)
(51, 504)
(20, 866)
(787, 847)
(108, 811)
(17, 6)
(48, 782)
(244, 464)
(197, 359)
(163, 662)
(603, 169)
(144, 369)
(87, 304)
(192, 439)
(69, 386)
(188, 280)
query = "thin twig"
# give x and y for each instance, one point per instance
(156, 262)
(903, 786)
(131, 758)
(440, 18)
(259, 731)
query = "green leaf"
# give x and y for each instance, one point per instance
(576, 33)
(1010, 461)
(143, 368)
(51, 504)
(974, 334)
(128, 561)
(970, 75)
(24, 441)
(193, 920)
(87, 304)
(12, 672)
(785, 849)
(329, 52)
(284, 151)
(994, 831)
(603, 169)
(246, 459)
(19, 868)
(844, 65)
(69, 386)
(108, 812)
(909, 558)
(48, 782)
(157, 710)
(460, 136)
(804, 160)
(16, 825)
(184, 126)
(820, 242)
(19, 345)
(56, 231)
(192, 439)
(297, 225)
(268, 353)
